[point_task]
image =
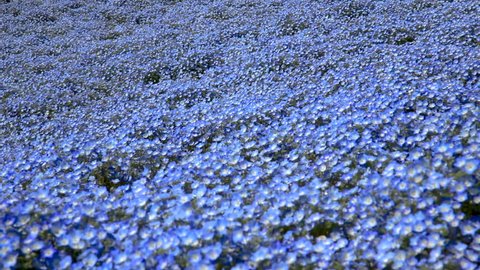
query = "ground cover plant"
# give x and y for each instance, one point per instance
(239, 134)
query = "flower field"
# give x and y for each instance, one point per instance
(239, 134)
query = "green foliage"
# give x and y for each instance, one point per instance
(405, 244)
(151, 77)
(356, 9)
(333, 90)
(190, 98)
(26, 261)
(404, 40)
(470, 209)
(103, 175)
(322, 121)
(187, 187)
(218, 14)
(172, 2)
(324, 228)
(337, 265)
(290, 25)
(117, 215)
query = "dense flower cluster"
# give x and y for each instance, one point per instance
(240, 134)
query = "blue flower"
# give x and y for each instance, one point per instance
(195, 257)
(90, 260)
(238, 237)
(469, 166)
(213, 252)
(261, 254)
(65, 262)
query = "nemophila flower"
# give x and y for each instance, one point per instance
(291, 258)
(399, 259)
(280, 266)
(469, 166)
(65, 262)
(472, 255)
(459, 248)
(63, 240)
(90, 260)
(466, 264)
(205, 265)
(469, 228)
(272, 217)
(261, 254)
(445, 208)
(213, 252)
(37, 245)
(476, 199)
(419, 227)
(186, 113)
(48, 252)
(241, 266)
(303, 245)
(77, 266)
(194, 257)
(120, 258)
(298, 216)
(461, 197)
(238, 237)
(370, 223)
(10, 260)
(476, 240)
(190, 239)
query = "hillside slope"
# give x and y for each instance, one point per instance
(240, 134)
